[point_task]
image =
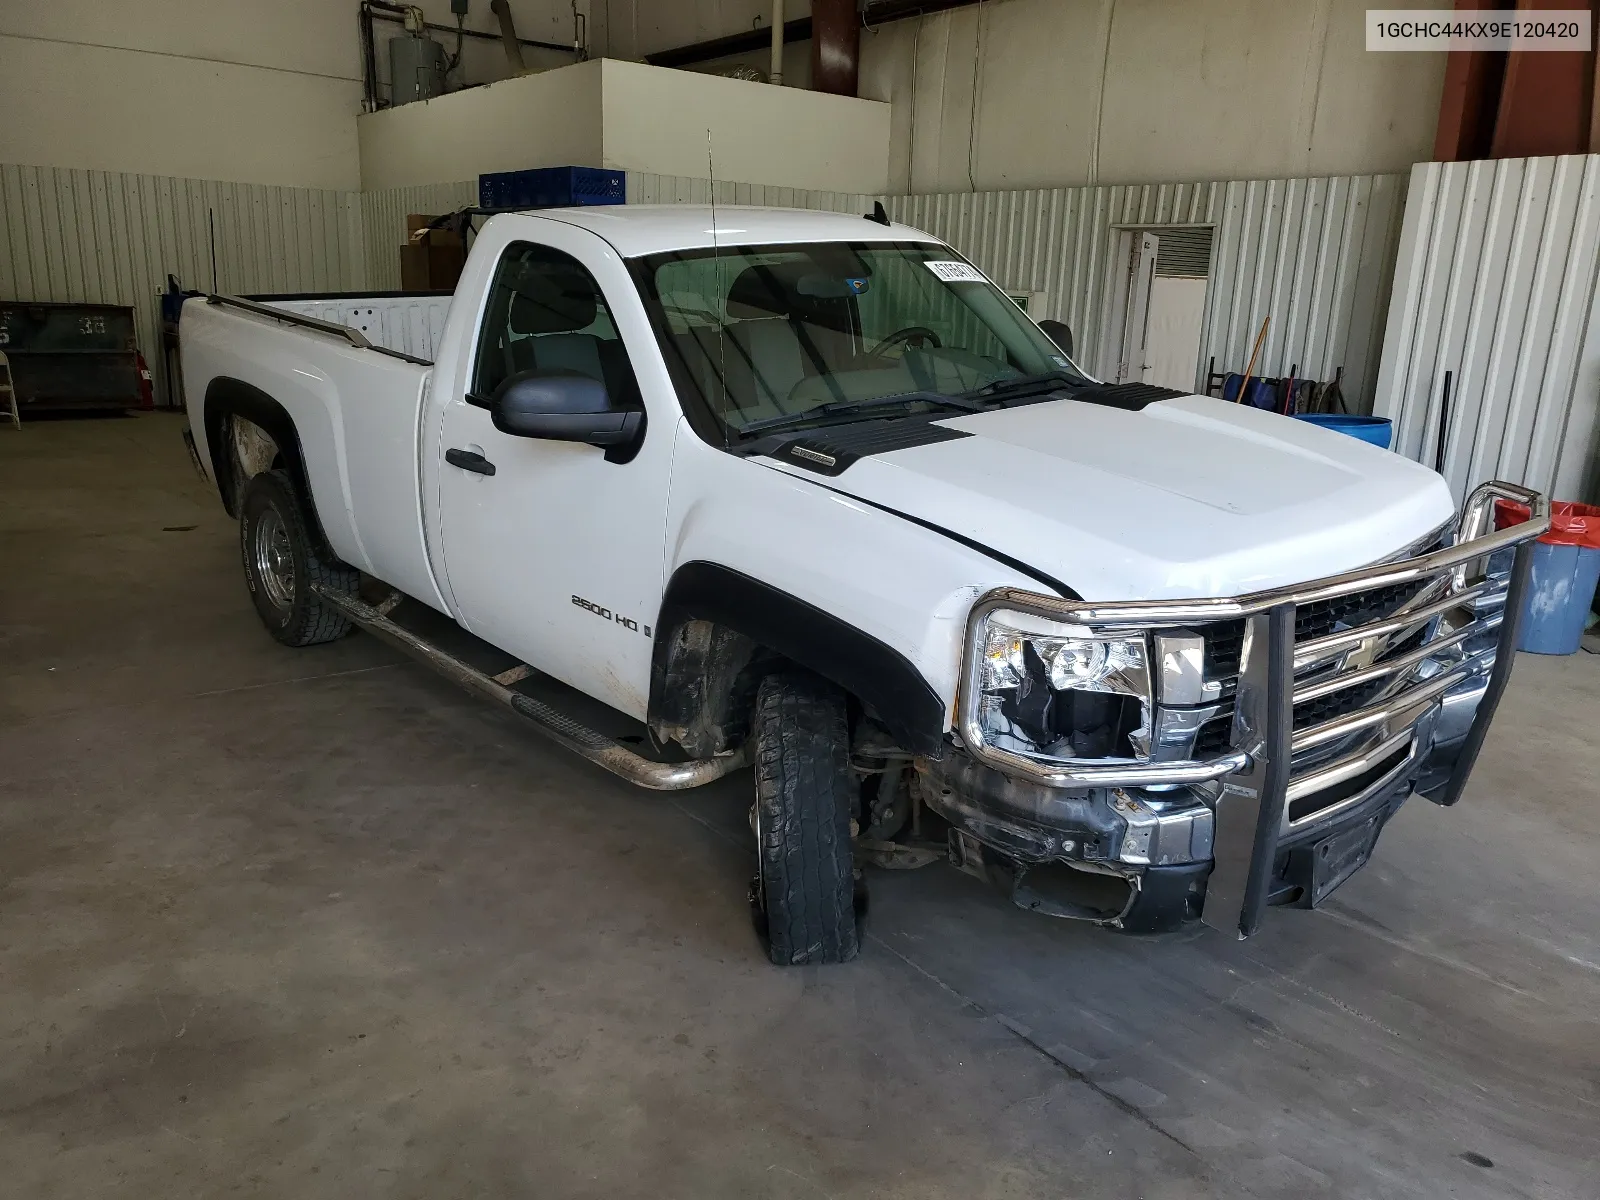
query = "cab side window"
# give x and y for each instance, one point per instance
(546, 313)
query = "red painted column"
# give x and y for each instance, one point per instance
(1471, 98)
(1545, 99)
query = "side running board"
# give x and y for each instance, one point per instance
(557, 726)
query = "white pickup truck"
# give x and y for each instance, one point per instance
(691, 490)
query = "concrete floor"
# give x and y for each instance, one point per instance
(313, 924)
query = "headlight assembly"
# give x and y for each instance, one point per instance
(1049, 688)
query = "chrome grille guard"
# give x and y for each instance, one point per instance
(1256, 772)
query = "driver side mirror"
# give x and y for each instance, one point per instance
(1058, 333)
(561, 408)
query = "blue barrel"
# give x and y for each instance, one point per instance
(1377, 430)
(1560, 591)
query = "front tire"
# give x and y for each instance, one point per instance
(804, 892)
(281, 565)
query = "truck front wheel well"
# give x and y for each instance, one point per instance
(235, 413)
(720, 632)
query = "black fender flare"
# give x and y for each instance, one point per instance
(226, 396)
(766, 619)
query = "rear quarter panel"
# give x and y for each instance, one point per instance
(357, 414)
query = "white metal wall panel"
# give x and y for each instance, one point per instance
(104, 237)
(1313, 255)
(410, 324)
(1496, 284)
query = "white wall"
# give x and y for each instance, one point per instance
(640, 27)
(1029, 93)
(658, 121)
(544, 120)
(605, 113)
(258, 91)
(1058, 93)
(210, 89)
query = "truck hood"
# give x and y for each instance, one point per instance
(1190, 497)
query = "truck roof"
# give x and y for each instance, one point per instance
(639, 229)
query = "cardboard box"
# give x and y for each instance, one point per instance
(416, 222)
(428, 268)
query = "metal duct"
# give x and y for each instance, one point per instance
(508, 36)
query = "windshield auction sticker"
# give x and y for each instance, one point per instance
(1520, 30)
(955, 272)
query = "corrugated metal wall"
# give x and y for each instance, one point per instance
(1496, 285)
(103, 237)
(1313, 255)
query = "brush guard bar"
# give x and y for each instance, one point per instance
(1255, 779)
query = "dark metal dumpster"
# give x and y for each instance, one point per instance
(70, 356)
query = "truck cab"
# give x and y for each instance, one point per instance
(806, 491)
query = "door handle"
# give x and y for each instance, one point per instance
(469, 460)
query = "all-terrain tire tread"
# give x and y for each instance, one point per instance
(805, 791)
(312, 620)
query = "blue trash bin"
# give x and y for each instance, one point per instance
(1560, 591)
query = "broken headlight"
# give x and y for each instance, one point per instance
(1052, 689)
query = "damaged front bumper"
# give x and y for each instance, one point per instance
(1334, 723)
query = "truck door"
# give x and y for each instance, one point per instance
(550, 551)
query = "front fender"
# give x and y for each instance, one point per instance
(860, 595)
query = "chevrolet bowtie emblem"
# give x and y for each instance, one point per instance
(1363, 654)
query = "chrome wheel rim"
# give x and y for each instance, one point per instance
(274, 558)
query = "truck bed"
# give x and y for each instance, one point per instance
(410, 322)
(353, 410)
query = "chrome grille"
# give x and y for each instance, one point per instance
(1317, 620)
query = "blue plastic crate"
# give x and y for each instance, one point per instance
(552, 187)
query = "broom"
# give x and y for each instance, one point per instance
(1250, 370)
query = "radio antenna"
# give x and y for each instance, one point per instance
(716, 269)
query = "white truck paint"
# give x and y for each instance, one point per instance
(411, 324)
(1186, 499)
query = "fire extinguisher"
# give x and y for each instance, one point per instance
(147, 391)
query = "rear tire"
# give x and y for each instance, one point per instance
(804, 894)
(281, 565)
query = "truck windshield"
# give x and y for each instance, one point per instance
(757, 334)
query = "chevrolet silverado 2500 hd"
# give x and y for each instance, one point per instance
(808, 492)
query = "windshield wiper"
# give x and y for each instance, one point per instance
(1025, 385)
(836, 408)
